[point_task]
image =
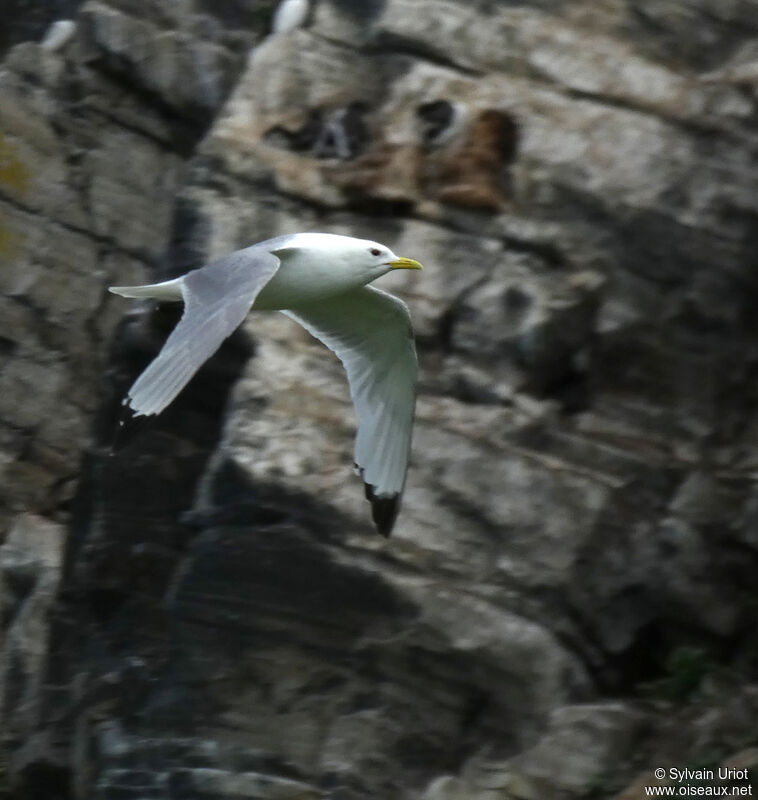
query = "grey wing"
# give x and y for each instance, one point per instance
(217, 298)
(370, 332)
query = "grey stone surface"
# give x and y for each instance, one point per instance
(568, 598)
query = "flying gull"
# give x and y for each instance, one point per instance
(321, 281)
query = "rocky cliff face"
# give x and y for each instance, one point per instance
(568, 599)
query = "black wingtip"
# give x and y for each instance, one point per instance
(123, 423)
(384, 510)
(128, 427)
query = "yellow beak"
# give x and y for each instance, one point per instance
(405, 263)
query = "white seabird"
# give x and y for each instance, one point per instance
(58, 35)
(289, 15)
(321, 281)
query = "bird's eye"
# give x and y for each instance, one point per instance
(375, 252)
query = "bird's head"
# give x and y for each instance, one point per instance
(349, 260)
(375, 259)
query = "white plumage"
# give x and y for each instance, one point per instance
(320, 280)
(289, 15)
(58, 35)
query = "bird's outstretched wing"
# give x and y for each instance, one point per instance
(370, 332)
(216, 299)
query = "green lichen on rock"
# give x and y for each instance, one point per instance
(14, 174)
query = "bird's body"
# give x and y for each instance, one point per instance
(309, 274)
(319, 280)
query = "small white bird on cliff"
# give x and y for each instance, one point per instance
(321, 281)
(58, 35)
(289, 15)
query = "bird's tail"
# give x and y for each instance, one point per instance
(168, 290)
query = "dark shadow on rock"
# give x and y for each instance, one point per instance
(339, 133)
(24, 21)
